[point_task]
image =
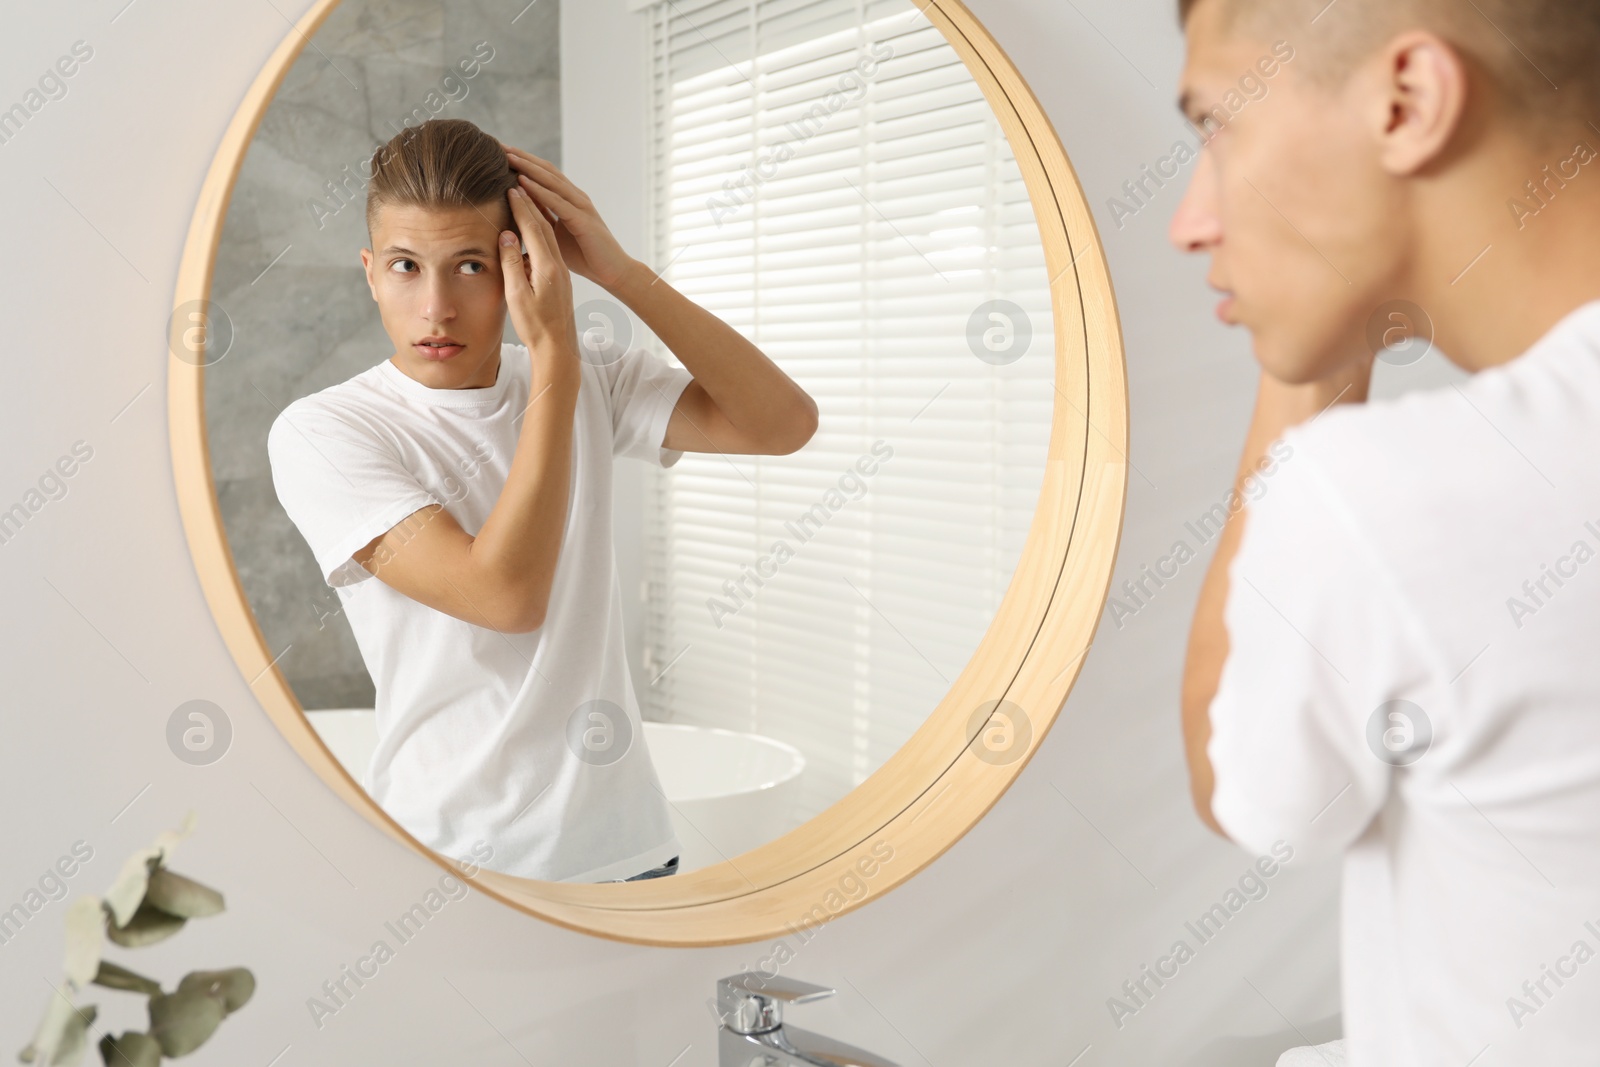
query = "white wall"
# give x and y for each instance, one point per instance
(1003, 951)
(605, 75)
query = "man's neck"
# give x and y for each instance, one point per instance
(1502, 275)
(490, 369)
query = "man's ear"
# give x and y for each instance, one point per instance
(1419, 95)
(366, 268)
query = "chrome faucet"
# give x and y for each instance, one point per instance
(752, 1033)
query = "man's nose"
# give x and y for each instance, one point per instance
(1195, 224)
(437, 306)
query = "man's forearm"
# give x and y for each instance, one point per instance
(1278, 407)
(750, 389)
(520, 541)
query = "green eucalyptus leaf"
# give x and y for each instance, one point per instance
(113, 976)
(128, 890)
(182, 1021)
(86, 936)
(147, 926)
(59, 1037)
(167, 841)
(130, 1050)
(63, 1043)
(234, 986)
(177, 895)
(74, 1039)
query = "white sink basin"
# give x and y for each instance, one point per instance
(729, 791)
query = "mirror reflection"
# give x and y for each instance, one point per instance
(627, 549)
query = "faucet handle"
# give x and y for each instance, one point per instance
(752, 1003)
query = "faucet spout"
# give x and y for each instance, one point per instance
(752, 1032)
(790, 1046)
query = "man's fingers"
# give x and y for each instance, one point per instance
(537, 232)
(531, 221)
(543, 270)
(549, 216)
(511, 264)
(545, 173)
(539, 193)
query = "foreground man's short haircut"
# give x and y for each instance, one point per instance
(1542, 55)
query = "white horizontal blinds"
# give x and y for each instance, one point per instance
(851, 238)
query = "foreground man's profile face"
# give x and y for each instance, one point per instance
(1288, 199)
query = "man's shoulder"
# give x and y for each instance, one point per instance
(1550, 393)
(334, 409)
(1441, 479)
(1456, 438)
(1349, 447)
(1395, 472)
(1345, 439)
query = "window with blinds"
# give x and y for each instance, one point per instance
(829, 180)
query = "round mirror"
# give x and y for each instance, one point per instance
(771, 675)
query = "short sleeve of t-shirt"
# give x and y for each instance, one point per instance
(1319, 640)
(341, 488)
(643, 389)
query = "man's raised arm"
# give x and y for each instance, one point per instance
(501, 578)
(1278, 407)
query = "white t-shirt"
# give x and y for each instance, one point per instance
(482, 735)
(1385, 560)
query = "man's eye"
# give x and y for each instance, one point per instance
(474, 263)
(397, 263)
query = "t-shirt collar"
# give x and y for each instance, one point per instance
(453, 398)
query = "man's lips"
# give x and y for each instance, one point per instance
(438, 347)
(1225, 305)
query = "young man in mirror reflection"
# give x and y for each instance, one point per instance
(473, 479)
(1393, 658)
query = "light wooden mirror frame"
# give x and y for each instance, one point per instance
(936, 787)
